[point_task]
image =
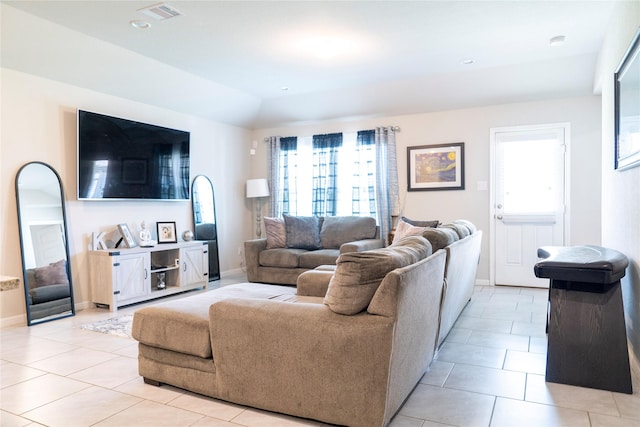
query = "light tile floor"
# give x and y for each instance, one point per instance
(489, 372)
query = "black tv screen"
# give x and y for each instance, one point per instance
(125, 159)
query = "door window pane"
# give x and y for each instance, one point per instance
(528, 176)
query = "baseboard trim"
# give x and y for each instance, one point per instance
(483, 282)
(233, 272)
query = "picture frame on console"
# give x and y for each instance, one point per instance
(435, 167)
(167, 232)
(627, 108)
(127, 238)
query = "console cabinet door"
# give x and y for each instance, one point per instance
(195, 265)
(132, 276)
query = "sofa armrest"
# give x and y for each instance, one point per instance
(314, 283)
(252, 249)
(361, 245)
(302, 359)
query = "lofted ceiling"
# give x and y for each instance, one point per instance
(260, 64)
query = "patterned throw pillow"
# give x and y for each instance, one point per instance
(404, 229)
(276, 234)
(303, 232)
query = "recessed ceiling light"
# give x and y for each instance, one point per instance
(139, 24)
(467, 61)
(556, 41)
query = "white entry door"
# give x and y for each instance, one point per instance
(529, 199)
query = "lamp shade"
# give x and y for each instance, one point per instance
(257, 188)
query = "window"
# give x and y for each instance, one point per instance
(336, 174)
(330, 174)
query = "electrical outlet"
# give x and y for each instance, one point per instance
(240, 250)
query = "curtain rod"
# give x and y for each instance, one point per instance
(394, 128)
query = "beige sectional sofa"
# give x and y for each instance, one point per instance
(346, 351)
(296, 244)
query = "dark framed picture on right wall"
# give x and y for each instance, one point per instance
(627, 108)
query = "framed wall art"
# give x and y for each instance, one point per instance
(627, 108)
(435, 167)
(167, 232)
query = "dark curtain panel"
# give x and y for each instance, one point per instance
(325, 173)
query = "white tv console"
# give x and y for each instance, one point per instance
(123, 276)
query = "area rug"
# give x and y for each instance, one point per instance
(120, 326)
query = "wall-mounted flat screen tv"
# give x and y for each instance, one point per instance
(124, 159)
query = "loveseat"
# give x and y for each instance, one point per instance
(349, 357)
(295, 244)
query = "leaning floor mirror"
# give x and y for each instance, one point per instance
(44, 243)
(204, 220)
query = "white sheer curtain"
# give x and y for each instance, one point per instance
(273, 160)
(387, 192)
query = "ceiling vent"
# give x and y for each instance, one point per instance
(160, 11)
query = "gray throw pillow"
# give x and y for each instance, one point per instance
(303, 232)
(52, 274)
(337, 230)
(417, 223)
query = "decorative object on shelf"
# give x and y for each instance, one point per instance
(167, 232)
(187, 235)
(161, 284)
(626, 107)
(97, 241)
(257, 189)
(145, 236)
(435, 167)
(127, 238)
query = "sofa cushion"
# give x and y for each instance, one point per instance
(461, 230)
(182, 325)
(440, 237)
(358, 274)
(313, 259)
(276, 233)
(303, 232)
(281, 257)
(337, 230)
(49, 293)
(470, 226)
(421, 223)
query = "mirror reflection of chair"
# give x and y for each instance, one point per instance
(44, 243)
(204, 220)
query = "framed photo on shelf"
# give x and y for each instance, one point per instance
(126, 236)
(167, 232)
(627, 108)
(435, 167)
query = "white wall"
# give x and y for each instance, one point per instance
(38, 119)
(471, 126)
(621, 189)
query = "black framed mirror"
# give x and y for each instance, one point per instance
(42, 223)
(205, 226)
